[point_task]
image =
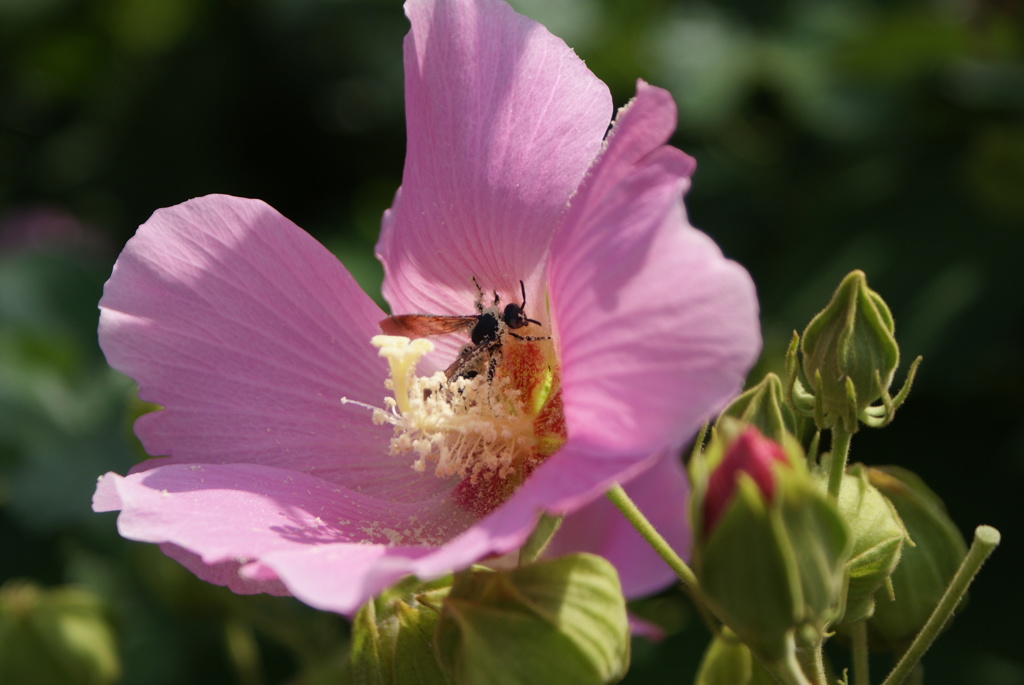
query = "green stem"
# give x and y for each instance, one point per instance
(788, 671)
(812, 662)
(986, 538)
(539, 538)
(840, 453)
(861, 667)
(624, 504)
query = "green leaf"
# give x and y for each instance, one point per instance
(558, 621)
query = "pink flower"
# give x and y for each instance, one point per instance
(751, 453)
(248, 333)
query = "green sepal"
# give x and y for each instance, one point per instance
(926, 566)
(557, 621)
(798, 398)
(763, 406)
(727, 661)
(702, 459)
(878, 536)
(820, 542)
(762, 606)
(55, 636)
(393, 636)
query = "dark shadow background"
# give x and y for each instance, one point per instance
(830, 135)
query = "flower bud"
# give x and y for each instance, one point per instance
(878, 536)
(751, 454)
(556, 621)
(927, 566)
(849, 353)
(759, 511)
(763, 407)
(54, 636)
(393, 636)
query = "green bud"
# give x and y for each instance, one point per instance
(771, 562)
(58, 636)
(850, 343)
(727, 661)
(849, 358)
(763, 406)
(557, 621)
(878, 536)
(926, 567)
(393, 636)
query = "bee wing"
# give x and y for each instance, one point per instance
(474, 360)
(424, 325)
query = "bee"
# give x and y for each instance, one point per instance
(487, 329)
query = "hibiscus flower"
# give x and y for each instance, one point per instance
(249, 334)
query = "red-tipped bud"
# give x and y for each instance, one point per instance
(754, 513)
(751, 453)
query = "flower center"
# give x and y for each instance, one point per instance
(490, 430)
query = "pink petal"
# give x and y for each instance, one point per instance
(655, 328)
(330, 547)
(503, 122)
(570, 479)
(750, 453)
(231, 574)
(643, 125)
(600, 528)
(248, 332)
(341, 577)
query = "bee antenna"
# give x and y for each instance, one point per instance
(522, 287)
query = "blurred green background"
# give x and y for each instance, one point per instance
(830, 135)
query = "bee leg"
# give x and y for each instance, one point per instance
(529, 337)
(492, 368)
(479, 301)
